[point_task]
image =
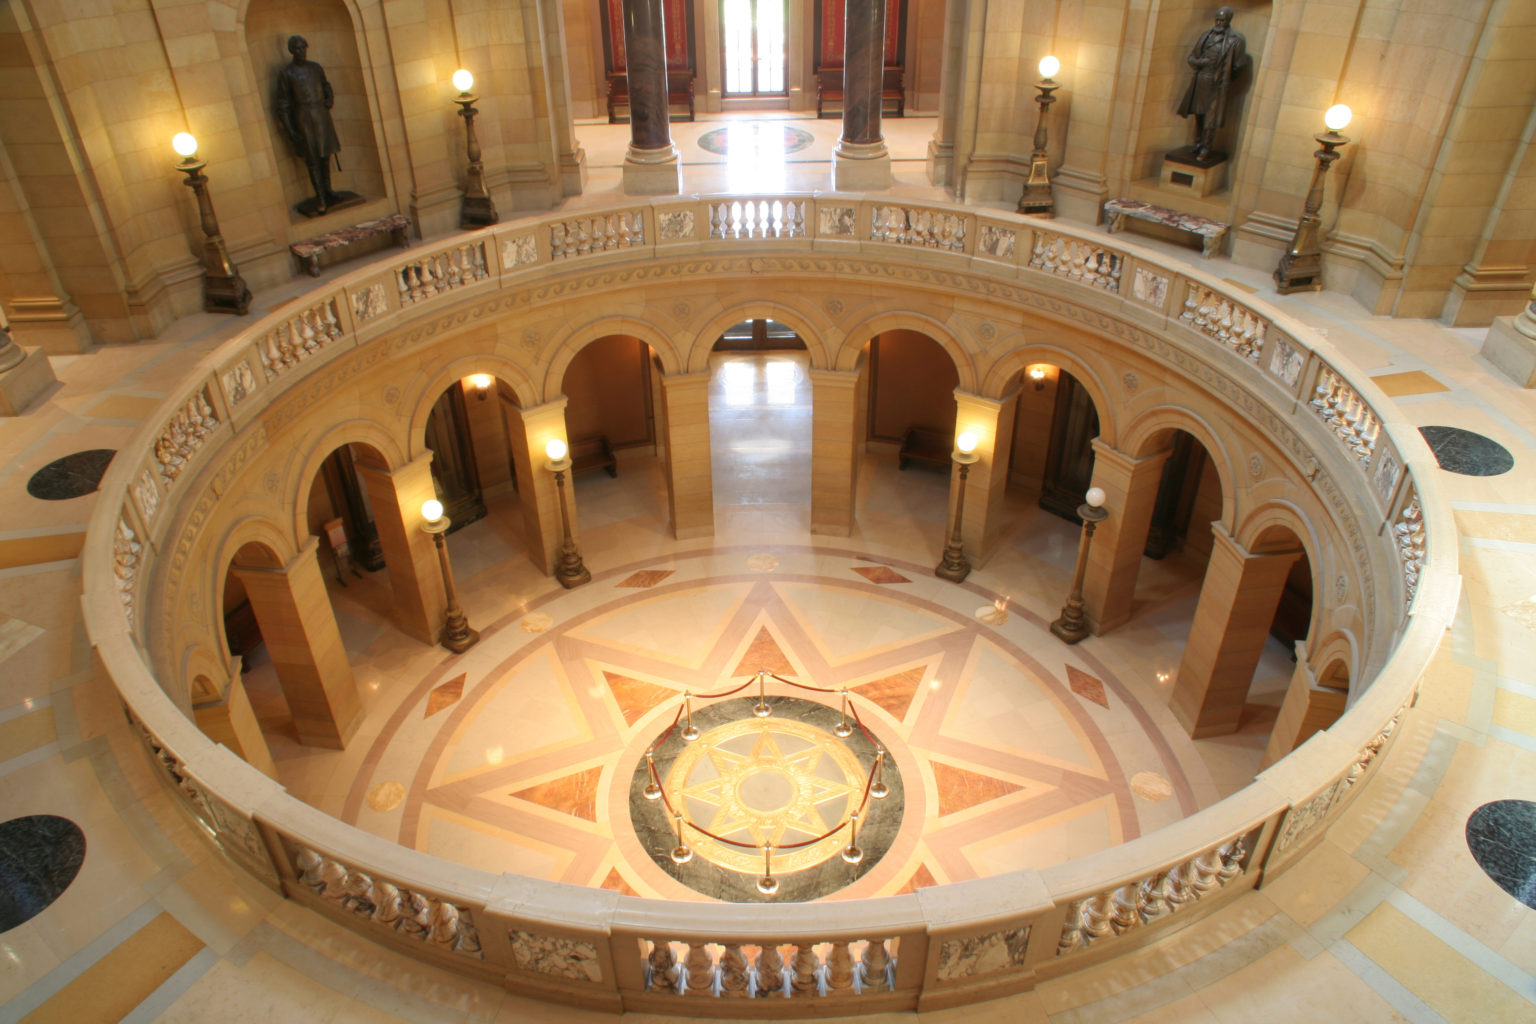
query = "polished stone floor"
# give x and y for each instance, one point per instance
(1390, 919)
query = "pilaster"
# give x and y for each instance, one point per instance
(690, 478)
(396, 497)
(1130, 494)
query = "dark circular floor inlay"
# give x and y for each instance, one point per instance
(39, 856)
(1467, 452)
(1502, 838)
(749, 137)
(72, 476)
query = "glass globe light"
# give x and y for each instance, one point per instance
(184, 144)
(1337, 117)
(431, 510)
(463, 80)
(555, 449)
(966, 442)
(1049, 66)
(1095, 497)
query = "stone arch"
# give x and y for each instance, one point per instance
(200, 667)
(1148, 433)
(1268, 527)
(1337, 649)
(426, 390)
(804, 325)
(851, 346)
(573, 340)
(255, 540)
(1002, 372)
(368, 434)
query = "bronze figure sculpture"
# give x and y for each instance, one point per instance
(303, 108)
(1217, 58)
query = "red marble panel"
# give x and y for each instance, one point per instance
(959, 788)
(445, 696)
(615, 881)
(893, 693)
(922, 878)
(634, 697)
(764, 654)
(574, 794)
(880, 574)
(1087, 687)
(646, 578)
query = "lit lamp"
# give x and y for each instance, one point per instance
(1072, 627)
(477, 210)
(224, 291)
(481, 382)
(1037, 190)
(1301, 268)
(954, 566)
(456, 635)
(568, 569)
(1037, 374)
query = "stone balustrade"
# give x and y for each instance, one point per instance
(945, 946)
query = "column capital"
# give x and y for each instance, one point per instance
(834, 378)
(1120, 459)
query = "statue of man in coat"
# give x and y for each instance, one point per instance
(303, 105)
(1218, 57)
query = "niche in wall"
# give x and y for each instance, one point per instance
(327, 26)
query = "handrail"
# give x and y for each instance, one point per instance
(605, 950)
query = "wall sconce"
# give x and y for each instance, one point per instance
(1037, 374)
(1036, 199)
(1301, 268)
(481, 382)
(954, 566)
(456, 635)
(569, 570)
(1071, 626)
(224, 291)
(477, 210)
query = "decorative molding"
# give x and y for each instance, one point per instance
(184, 434)
(369, 302)
(573, 959)
(982, 954)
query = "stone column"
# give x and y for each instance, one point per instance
(690, 478)
(1130, 494)
(1308, 708)
(1237, 607)
(861, 161)
(834, 455)
(651, 167)
(528, 431)
(409, 555)
(299, 629)
(229, 719)
(24, 375)
(991, 419)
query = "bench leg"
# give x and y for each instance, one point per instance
(1209, 245)
(1117, 223)
(313, 266)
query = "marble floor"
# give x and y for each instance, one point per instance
(1390, 918)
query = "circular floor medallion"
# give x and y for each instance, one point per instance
(39, 856)
(785, 780)
(1467, 452)
(76, 474)
(1502, 838)
(754, 137)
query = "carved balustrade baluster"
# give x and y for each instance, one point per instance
(698, 968)
(661, 967)
(839, 967)
(873, 966)
(807, 968)
(770, 972)
(733, 971)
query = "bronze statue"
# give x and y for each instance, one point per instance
(304, 100)
(1220, 55)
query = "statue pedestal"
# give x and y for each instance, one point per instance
(1512, 351)
(23, 383)
(1189, 175)
(311, 207)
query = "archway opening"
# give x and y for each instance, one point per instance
(760, 416)
(611, 390)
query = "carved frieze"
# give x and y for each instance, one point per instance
(982, 954)
(575, 959)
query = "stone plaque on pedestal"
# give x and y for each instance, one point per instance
(1191, 175)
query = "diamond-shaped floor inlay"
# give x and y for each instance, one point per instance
(960, 789)
(880, 574)
(445, 696)
(764, 653)
(1087, 687)
(646, 578)
(575, 794)
(634, 697)
(922, 878)
(893, 693)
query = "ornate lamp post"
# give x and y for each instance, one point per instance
(477, 210)
(568, 570)
(456, 636)
(1037, 199)
(1301, 268)
(224, 291)
(1071, 627)
(954, 566)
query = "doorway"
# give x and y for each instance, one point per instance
(752, 48)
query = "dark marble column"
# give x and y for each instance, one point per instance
(645, 47)
(651, 166)
(863, 69)
(860, 161)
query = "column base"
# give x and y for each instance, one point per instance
(1070, 628)
(954, 567)
(26, 382)
(477, 212)
(1511, 351)
(653, 172)
(861, 166)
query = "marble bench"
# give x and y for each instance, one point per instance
(1211, 232)
(309, 251)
